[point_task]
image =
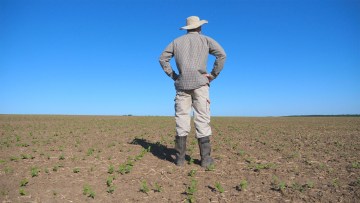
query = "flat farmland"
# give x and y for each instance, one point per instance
(47, 158)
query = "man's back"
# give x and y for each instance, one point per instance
(191, 54)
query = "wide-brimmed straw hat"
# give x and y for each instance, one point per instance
(193, 22)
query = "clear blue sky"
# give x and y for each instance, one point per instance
(285, 57)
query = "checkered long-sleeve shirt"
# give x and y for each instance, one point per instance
(191, 54)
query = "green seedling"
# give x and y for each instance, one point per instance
(62, 157)
(109, 180)
(76, 170)
(242, 186)
(191, 190)
(130, 161)
(301, 188)
(278, 185)
(310, 184)
(24, 182)
(355, 165)
(24, 145)
(192, 173)
(144, 187)
(35, 171)
(249, 160)
(258, 167)
(322, 166)
(111, 169)
(241, 152)
(26, 156)
(111, 189)
(6, 143)
(298, 187)
(138, 157)
(281, 186)
(113, 144)
(219, 187)
(88, 191)
(8, 170)
(14, 158)
(90, 151)
(22, 192)
(56, 167)
(142, 154)
(191, 161)
(335, 182)
(125, 168)
(158, 187)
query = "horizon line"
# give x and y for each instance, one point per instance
(132, 115)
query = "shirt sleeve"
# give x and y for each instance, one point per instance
(220, 55)
(164, 60)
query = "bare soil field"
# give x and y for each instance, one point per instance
(131, 159)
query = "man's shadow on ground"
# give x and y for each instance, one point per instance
(160, 151)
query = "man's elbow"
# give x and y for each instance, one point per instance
(222, 56)
(163, 59)
(163, 63)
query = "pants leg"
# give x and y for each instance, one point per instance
(182, 112)
(201, 105)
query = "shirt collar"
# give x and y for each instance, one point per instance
(194, 32)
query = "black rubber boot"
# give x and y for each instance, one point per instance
(180, 147)
(205, 150)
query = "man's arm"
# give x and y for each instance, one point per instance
(216, 50)
(164, 60)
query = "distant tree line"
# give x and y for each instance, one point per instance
(339, 115)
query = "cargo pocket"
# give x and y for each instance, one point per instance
(208, 106)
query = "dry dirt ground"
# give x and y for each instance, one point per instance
(130, 159)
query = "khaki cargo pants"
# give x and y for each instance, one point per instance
(199, 100)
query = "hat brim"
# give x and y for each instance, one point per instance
(195, 25)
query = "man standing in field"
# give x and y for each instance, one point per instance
(192, 85)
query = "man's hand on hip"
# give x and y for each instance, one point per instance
(209, 77)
